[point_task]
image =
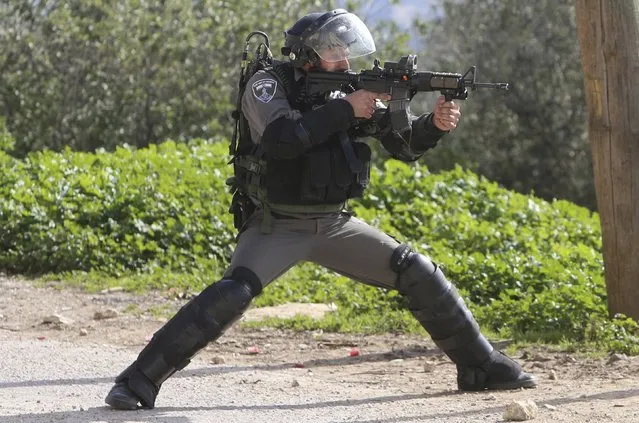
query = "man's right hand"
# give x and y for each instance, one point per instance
(364, 102)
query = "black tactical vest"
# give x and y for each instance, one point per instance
(324, 175)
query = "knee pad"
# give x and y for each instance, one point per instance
(224, 302)
(432, 299)
(414, 272)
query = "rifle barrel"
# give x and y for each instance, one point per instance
(498, 85)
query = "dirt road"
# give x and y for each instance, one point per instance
(60, 350)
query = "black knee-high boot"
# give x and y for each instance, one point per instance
(200, 321)
(436, 304)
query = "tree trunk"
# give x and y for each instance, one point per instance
(609, 39)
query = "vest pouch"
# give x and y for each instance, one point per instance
(341, 177)
(282, 181)
(241, 208)
(316, 176)
(361, 179)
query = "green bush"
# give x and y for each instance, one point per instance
(7, 142)
(526, 264)
(131, 210)
(157, 218)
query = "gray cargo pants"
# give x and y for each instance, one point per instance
(340, 242)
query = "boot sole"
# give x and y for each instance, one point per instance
(121, 402)
(526, 383)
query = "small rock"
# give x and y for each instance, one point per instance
(490, 398)
(56, 319)
(108, 313)
(84, 332)
(218, 359)
(429, 366)
(617, 357)
(550, 407)
(553, 375)
(568, 359)
(303, 346)
(112, 289)
(295, 383)
(520, 411)
(253, 350)
(174, 293)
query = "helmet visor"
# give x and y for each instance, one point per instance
(342, 37)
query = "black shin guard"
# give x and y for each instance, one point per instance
(200, 321)
(437, 306)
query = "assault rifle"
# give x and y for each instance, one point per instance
(402, 81)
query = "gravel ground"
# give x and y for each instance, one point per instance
(60, 371)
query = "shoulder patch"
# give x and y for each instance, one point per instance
(264, 89)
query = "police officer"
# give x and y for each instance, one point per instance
(299, 161)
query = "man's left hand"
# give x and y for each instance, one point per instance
(446, 114)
